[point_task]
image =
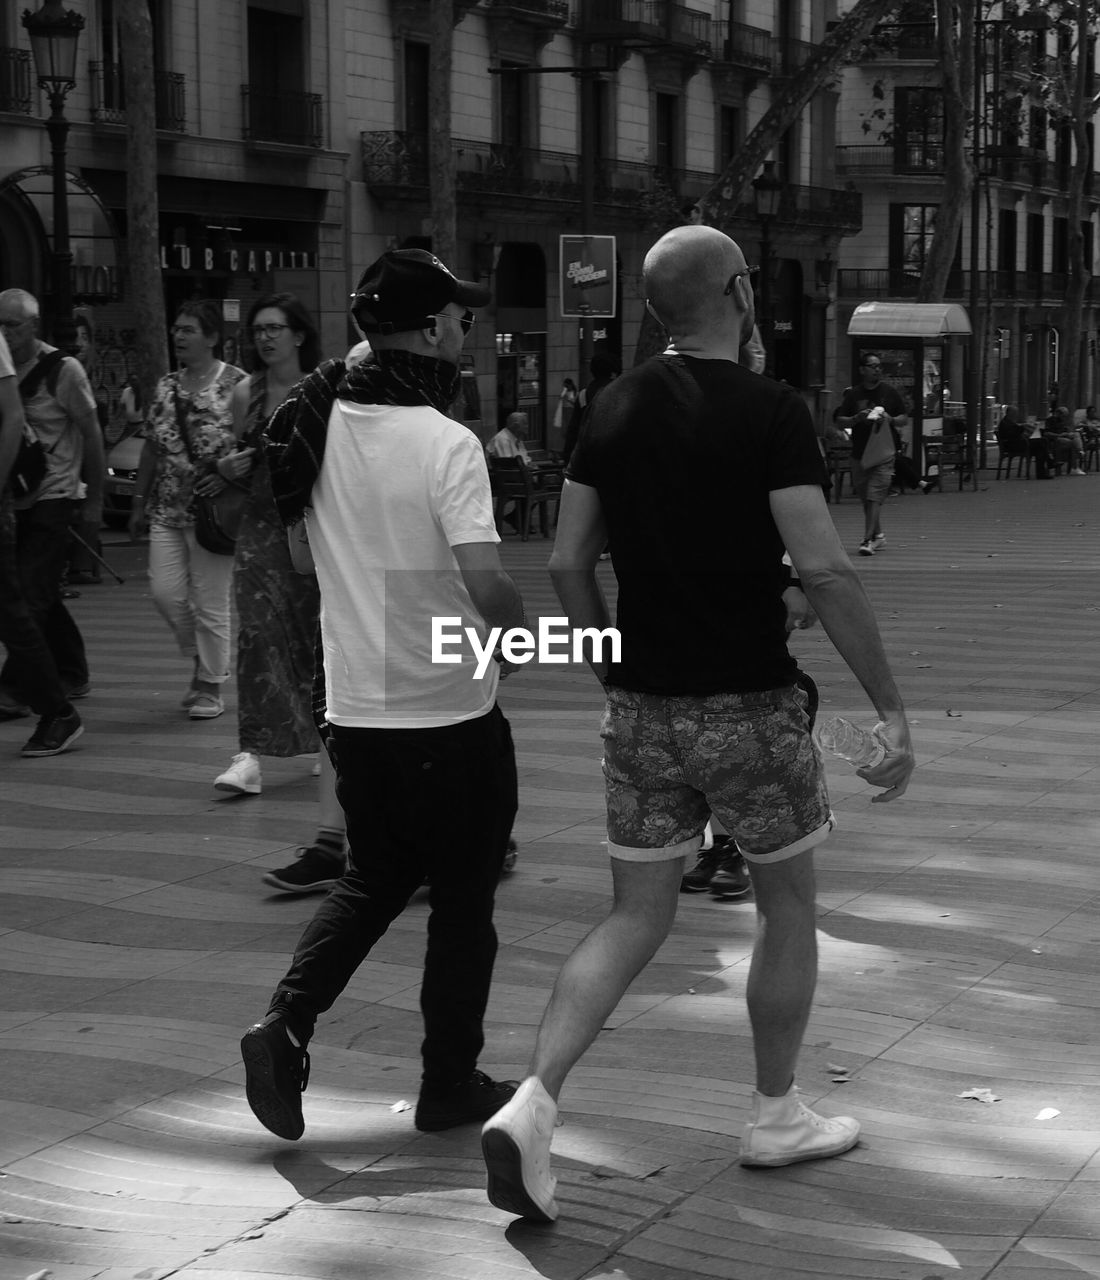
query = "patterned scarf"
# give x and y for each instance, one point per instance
(294, 440)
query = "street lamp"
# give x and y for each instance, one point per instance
(767, 192)
(54, 33)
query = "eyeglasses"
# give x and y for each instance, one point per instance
(267, 330)
(748, 271)
(871, 364)
(186, 329)
(466, 320)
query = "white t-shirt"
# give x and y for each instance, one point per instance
(399, 486)
(506, 445)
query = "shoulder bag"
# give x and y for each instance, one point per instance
(217, 516)
(31, 458)
(880, 446)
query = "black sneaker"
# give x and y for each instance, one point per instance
(276, 1074)
(314, 872)
(53, 735)
(471, 1101)
(731, 880)
(698, 879)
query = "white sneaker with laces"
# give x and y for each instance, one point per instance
(865, 549)
(516, 1146)
(879, 540)
(784, 1130)
(242, 776)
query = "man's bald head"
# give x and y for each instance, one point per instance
(687, 277)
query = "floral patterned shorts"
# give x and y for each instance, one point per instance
(748, 758)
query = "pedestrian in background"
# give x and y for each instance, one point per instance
(871, 412)
(700, 472)
(187, 443)
(277, 607)
(59, 725)
(60, 409)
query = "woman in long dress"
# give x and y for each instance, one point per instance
(277, 607)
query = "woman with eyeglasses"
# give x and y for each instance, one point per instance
(188, 441)
(277, 608)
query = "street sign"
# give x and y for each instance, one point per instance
(587, 275)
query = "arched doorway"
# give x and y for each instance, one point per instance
(24, 249)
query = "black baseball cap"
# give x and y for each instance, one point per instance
(406, 288)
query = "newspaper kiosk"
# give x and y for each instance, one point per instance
(919, 345)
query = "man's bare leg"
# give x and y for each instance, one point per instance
(783, 972)
(594, 978)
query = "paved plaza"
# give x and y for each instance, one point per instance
(959, 933)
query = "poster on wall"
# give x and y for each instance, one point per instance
(587, 276)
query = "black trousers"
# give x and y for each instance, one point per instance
(45, 648)
(436, 803)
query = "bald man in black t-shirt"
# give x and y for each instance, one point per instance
(697, 473)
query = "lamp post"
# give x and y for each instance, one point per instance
(54, 33)
(767, 192)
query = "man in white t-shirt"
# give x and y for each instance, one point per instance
(45, 666)
(401, 528)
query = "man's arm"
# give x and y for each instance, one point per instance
(94, 467)
(12, 422)
(580, 538)
(836, 593)
(493, 592)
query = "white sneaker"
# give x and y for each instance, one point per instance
(865, 549)
(516, 1146)
(879, 540)
(1077, 472)
(784, 1130)
(242, 776)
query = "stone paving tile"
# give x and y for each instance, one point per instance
(957, 931)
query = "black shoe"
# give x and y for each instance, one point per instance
(731, 880)
(53, 735)
(471, 1101)
(276, 1075)
(314, 872)
(698, 879)
(75, 691)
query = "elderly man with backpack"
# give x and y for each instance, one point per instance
(46, 669)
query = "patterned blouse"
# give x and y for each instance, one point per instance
(209, 426)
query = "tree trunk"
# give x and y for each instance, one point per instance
(719, 204)
(1069, 372)
(955, 40)
(143, 272)
(441, 171)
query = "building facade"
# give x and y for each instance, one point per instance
(293, 148)
(1012, 259)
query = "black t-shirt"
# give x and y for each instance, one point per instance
(858, 398)
(684, 453)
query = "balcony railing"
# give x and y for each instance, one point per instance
(908, 42)
(109, 97)
(893, 282)
(924, 157)
(741, 45)
(551, 12)
(629, 22)
(293, 118)
(15, 81)
(792, 55)
(395, 165)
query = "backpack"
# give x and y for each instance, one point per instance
(31, 458)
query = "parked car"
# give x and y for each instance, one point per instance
(118, 488)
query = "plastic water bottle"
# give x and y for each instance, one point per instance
(862, 748)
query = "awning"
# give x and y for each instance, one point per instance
(908, 320)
